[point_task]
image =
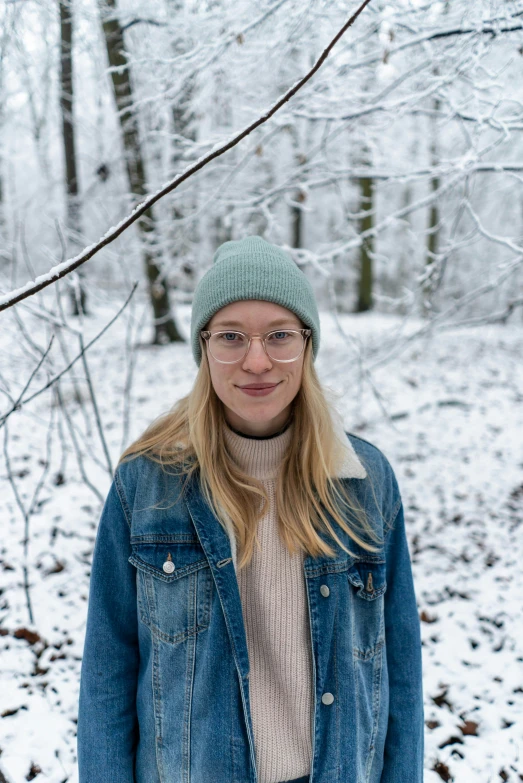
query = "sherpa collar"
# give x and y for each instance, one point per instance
(351, 467)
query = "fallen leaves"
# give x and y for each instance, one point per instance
(30, 636)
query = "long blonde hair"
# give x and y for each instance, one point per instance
(190, 436)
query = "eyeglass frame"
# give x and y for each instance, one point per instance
(206, 334)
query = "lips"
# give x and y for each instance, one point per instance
(259, 389)
(259, 386)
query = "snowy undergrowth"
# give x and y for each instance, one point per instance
(449, 419)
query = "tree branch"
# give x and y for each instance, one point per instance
(20, 401)
(142, 21)
(488, 29)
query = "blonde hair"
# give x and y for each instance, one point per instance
(190, 436)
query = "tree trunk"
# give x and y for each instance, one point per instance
(434, 218)
(222, 119)
(367, 247)
(363, 157)
(165, 329)
(300, 133)
(183, 238)
(73, 219)
(297, 223)
(6, 257)
(433, 233)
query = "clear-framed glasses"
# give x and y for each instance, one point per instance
(282, 345)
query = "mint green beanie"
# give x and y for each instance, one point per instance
(252, 268)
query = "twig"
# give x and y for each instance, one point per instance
(26, 513)
(76, 445)
(19, 403)
(428, 405)
(95, 406)
(65, 353)
(423, 38)
(130, 365)
(20, 505)
(494, 318)
(154, 22)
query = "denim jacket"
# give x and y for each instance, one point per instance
(164, 690)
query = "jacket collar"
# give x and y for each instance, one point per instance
(351, 466)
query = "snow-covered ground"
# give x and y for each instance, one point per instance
(449, 418)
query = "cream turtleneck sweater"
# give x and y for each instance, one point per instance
(275, 613)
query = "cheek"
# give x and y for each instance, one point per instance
(295, 381)
(219, 382)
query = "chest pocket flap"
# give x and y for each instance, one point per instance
(174, 588)
(367, 585)
(368, 578)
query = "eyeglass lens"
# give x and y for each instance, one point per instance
(232, 346)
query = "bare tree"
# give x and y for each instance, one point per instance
(300, 139)
(365, 224)
(4, 253)
(73, 232)
(165, 328)
(183, 237)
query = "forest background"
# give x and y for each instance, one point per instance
(393, 177)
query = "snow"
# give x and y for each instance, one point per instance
(450, 420)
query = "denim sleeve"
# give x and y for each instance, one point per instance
(404, 741)
(107, 718)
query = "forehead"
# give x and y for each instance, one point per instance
(253, 314)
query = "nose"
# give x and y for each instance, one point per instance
(256, 360)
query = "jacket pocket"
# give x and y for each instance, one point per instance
(175, 601)
(367, 585)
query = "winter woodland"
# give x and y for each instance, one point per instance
(392, 175)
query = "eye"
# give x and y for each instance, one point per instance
(279, 336)
(226, 335)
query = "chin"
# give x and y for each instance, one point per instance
(254, 414)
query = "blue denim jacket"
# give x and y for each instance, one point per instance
(164, 691)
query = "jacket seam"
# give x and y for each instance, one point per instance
(393, 518)
(123, 500)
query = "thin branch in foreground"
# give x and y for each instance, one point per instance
(96, 409)
(21, 506)
(76, 445)
(28, 512)
(494, 318)
(18, 403)
(65, 267)
(21, 402)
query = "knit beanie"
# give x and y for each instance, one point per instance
(252, 268)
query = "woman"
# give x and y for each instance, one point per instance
(209, 659)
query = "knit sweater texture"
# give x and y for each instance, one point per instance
(276, 618)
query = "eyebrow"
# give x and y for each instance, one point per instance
(279, 322)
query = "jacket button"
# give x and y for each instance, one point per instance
(327, 698)
(168, 566)
(324, 590)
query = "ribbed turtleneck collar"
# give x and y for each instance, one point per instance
(260, 458)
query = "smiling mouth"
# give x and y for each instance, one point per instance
(257, 386)
(259, 389)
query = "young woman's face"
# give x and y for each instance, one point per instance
(251, 414)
